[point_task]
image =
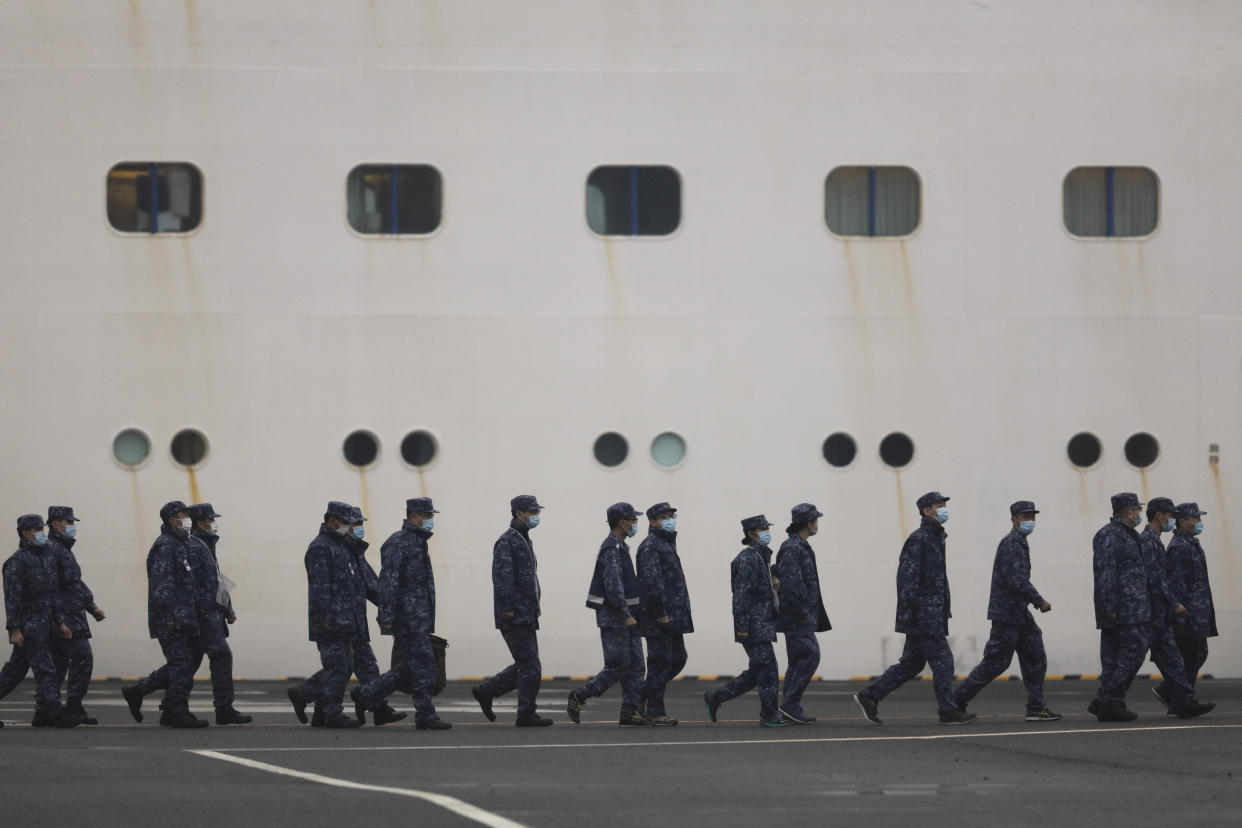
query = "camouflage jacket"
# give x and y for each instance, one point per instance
(1122, 596)
(923, 601)
(754, 599)
(172, 592)
(515, 579)
(30, 591)
(73, 597)
(614, 592)
(1188, 582)
(1012, 590)
(662, 585)
(407, 584)
(802, 603)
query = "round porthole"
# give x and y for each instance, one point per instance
(188, 447)
(840, 450)
(419, 448)
(896, 450)
(611, 449)
(131, 448)
(1084, 450)
(1142, 450)
(668, 450)
(361, 449)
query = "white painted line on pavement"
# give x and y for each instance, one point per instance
(775, 741)
(463, 809)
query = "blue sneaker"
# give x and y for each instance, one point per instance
(712, 705)
(781, 722)
(795, 714)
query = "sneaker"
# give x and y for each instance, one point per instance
(133, 698)
(1194, 708)
(485, 702)
(384, 714)
(360, 709)
(663, 720)
(295, 698)
(957, 717)
(1044, 715)
(870, 708)
(317, 717)
(778, 722)
(709, 698)
(574, 706)
(1158, 692)
(227, 715)
(339, 721)
(795, 714)
(634, 719)
(75, 707)
(432, 723)
(182, 719)
(532, 721)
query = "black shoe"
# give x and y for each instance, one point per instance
(532, 721)
(67, 718)
(297, 699)
(43, 718)
(1112, 711)
(317, 717)
(709, 699)
(1095, 708)
(360, 709)
(1044, 715)
(227, 715)
(1193, 709)
(384, 715)
(181, 719)
(870, 708)
(574, 706)
(339, 721)
(77, 710)
(485, 702)
(957, 717)
(432, 723)
(133, 697)
(633, 719)
(1158, 692)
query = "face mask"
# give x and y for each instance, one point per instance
(532, 521)
(942, 514)
(186, 523)
(40, 538)
(215, 528)
(1198, 527)
(359, 532)
(1138, 520)
(632, 531)
(342, 529)
(429, 524)
(765, 537)
(1026, 527)
(669, 524)
(1170, 525)
(71, 531)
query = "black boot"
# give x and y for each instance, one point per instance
(43, 718)
(67, 718)
(227, 716)
(340, 721)
(75, 707)
(360, 709)
(385, 714)
(183, 719)
(317, 717)
(299, 703)
(133, 697)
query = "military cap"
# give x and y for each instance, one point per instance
(61, 513)
(203, 511)
(1125, 500)
(620, 511)
(420, 504)
(804, 513)
(930, 498)
(1019, 506)
(1160, 504)
(756, 522)
(1187, 510)
(171, 508)
(661, 508)
(355, 515)
(29, 522)
(525, 503)
(340, 510)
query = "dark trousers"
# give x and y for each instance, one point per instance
(1167, 657)
(1122, 651)
(34, 655)
(1194, 650)
(760, 672)
(327, 686)
(919, 651)
(803, 652)
(179, 662)
(525, 673)
(666, 656)
(13, 671)
(623, 661)
(73, 659)
(1027, 640)
(220, 658)
(416, 665)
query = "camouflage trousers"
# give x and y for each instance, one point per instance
(666, 656)
(803, 652)
(760, 672)
(341, 658)
(1027, 640)
(179, 664)
(919, 651)
(1194, 650)
(219, 655)
(525, 673)
(36, 656)
(623, 661)
(73, 659)
(417, 665)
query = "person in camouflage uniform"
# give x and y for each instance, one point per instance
(664, 610)
(408, 612)
(1013, 627)
(923, 613)
(1186, 570)
(802, 612)
(72, 656)
(755, 607)
(614, 596)
(515, 601)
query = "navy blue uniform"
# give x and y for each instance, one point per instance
(29, 606)
(754, 613)
(1187, 574)
(614, 595)
(515, 593)
(663, 593)
(72, 656)
(172, 611)
(1161, 642)
(408, 605)
(923, 613)
(1123, 607)
(802, 615)
(1013, 626)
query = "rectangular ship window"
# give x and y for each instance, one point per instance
(1111, 202)
(394, 199)
(633, 201)
(172, 193)
(872, 202)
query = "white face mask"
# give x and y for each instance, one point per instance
(186, 523)
(215, 528)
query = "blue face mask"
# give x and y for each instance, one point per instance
(1138, 520)
(359, 532)
(633, 530)
(40, 538)
(429, 524)
(1198, 527)
(765, 537)
(532, 521)
(1170, 525)
(71, 531)
(942, 514)
(1026, 527)
(669, 524)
